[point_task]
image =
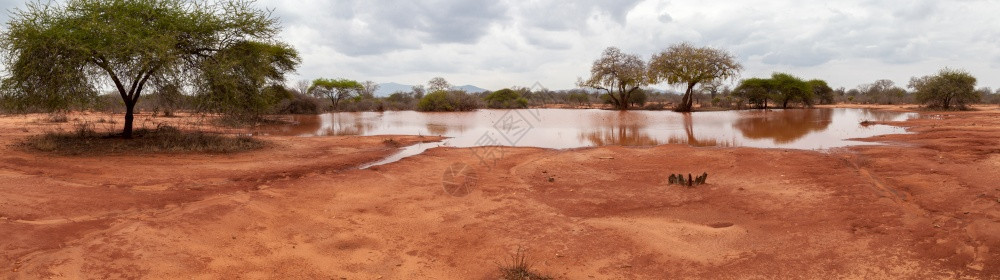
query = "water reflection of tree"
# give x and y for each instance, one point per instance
(880, 115)
(337, 124)
(624, 129)
(437, 129)
(784, 126)
(690, 139)
(627, 135)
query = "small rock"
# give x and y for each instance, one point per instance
(551, 179)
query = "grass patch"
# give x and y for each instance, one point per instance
(163, 139)
(519, 268)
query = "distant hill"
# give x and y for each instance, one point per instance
(385, 89)
(470, 88)
(389, 88)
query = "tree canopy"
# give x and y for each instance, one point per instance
(948, 88)
(438, 84)
(821, 91)
(335, 89)
(58, 54)
(781, 88)
(618, 74)
(685, 64)
(791, 88)
(756, 91)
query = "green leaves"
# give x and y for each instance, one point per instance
(949, 87)
(685, 64)
(790, 88)
(335, 89)
(781, 87)
(59, 54)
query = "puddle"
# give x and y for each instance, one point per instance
(810, 129)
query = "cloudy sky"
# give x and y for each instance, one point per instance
(495, 44)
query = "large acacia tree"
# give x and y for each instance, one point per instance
(687, 65)
(61, 52)
(619, 75)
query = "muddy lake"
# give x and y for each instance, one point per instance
(809, 129)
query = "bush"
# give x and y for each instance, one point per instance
(401, 101)
(449, 101)
(361, 104)
(505, 99)
(299, 104)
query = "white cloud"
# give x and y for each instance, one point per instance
(496, 44)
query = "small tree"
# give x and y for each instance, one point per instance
(756, 91)
(821, 91)
(334, 89)
(617, 74)
(368, 89)
(684, 64)
(59, 54)
(790, 88)
(946, 89)
(418, 91)
(438, 84)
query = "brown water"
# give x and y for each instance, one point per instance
(572, 128)
(812, 129)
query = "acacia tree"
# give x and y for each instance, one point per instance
(619, 75)
(685, 64)
(438, 84)
(335, 89)
(57, 53)
(790, 88)
(821, 91)
(757, 91)
(949, 87)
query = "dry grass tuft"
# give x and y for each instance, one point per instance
(519, 268)
(163, 139)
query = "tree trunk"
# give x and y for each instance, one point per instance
(129, 116)
(687, 102)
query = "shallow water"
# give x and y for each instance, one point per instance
(573, 128)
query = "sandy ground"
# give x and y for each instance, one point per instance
(925, 207)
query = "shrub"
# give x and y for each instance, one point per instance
(401, 101)
(505, 99)
(359, 104)
(299, 104)
(448, 101)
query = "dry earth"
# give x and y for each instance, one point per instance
(925, 207)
